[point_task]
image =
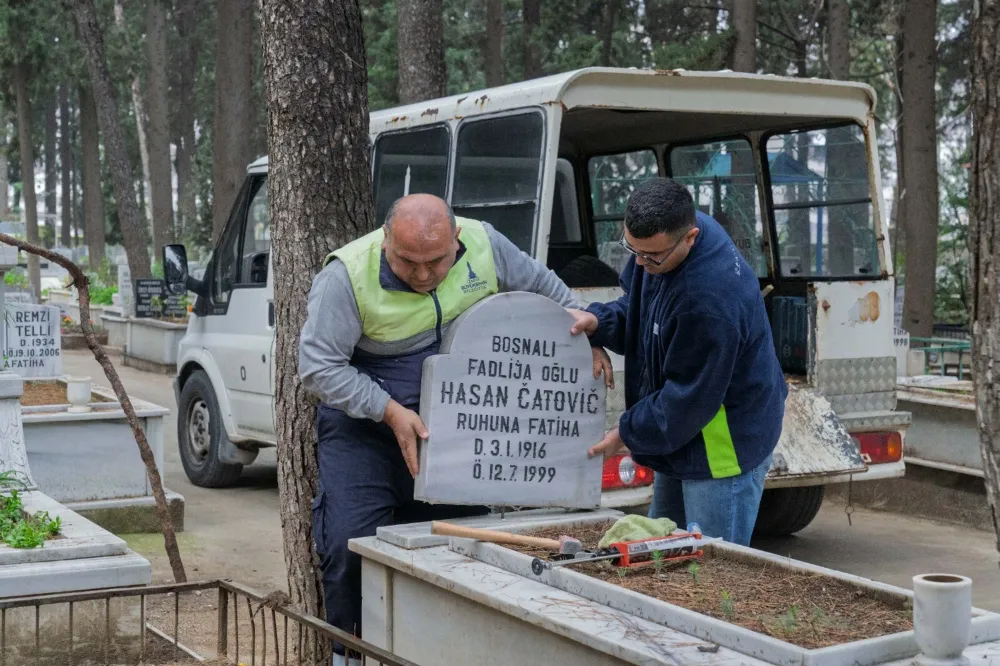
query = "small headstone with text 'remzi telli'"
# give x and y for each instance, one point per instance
(511, 405)
(34, 342)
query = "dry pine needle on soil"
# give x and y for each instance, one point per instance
(805, 609)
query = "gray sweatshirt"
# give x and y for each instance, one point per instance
(333, 329)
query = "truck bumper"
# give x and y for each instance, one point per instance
(874, 473)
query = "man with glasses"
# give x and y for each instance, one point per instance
(704, 392)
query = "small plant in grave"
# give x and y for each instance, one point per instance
(790, 620)
(726, 604)
(658, 562)
(623, 572)
(17, 528)
(694, 569)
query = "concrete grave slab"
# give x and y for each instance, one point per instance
(512, 406)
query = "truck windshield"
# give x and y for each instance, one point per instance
(822, 203)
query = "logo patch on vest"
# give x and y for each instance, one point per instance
(474, 283)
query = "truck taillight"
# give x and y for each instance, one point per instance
(880, 447)
(623, 472)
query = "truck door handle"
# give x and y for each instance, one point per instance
(270, 314)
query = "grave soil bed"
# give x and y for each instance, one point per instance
(50, 393)
(805, 609)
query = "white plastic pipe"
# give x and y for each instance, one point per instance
(942, 618)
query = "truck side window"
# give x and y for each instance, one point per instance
(256, 239)
(612, 179)
(226, 257)
(411, 162)
(497, 165)
(723, 180)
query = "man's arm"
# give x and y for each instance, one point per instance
(611, 316)
(331, 331)
(698, 365)
(516, 271)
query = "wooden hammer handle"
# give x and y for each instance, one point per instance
(491, 536)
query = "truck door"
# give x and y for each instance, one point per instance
(240, 334)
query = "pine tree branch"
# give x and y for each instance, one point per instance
(82, 285)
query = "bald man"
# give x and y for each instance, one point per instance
(379, 307)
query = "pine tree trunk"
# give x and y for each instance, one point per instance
(133, 233)
(532, 21)
(984, 241)
(160, 176)
(66, 164)
(140, 121)
(233, 124)
(186, 16)
(320, 198)
(51, 168)
(93, 202)
(4, 166)
(24, 134)
(493, 43)
(611, 8)
(920, 165)
(839, 32)
(744, 20)
(420, 42)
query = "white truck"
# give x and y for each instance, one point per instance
(788, 166)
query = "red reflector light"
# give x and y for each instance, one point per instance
(880, 447)
(623, 472)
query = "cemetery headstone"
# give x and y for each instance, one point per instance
(34, 345)
(512, 406)
(125, 294)
(148, 297)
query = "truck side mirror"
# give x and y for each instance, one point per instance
(175, 268)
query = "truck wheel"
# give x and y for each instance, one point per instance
(785, 511)
(199, 434)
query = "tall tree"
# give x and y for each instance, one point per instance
(139, 109)
(744, 21)
(611, 9)
(420, 35)
(532, 10)
(919, 158)
(51, 167)
(27, 146)
(66, 165)
(232, 130)
(129, 219)
(160, 180)
(839, 33)
(186, 15)
(320, 198)
(984, 242)
(493, 43)
(93, 198)
(4, 167)
(839, 156)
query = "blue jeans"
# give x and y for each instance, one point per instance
(724, 508)
(364, 484)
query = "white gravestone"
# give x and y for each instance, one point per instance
(125, 290)
(34, 342)
(511, 405)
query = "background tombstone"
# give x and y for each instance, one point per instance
(125, 295)
(512, 406)
(34, 342)
(149, 297)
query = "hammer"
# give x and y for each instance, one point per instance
(564, 545)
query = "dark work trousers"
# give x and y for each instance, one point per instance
(364, 484)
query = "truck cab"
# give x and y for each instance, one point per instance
(789, 167)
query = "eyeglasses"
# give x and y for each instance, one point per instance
(649, 258)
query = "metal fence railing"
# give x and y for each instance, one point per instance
(217, 623)
(944, 355)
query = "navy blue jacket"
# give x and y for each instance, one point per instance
(704, 393)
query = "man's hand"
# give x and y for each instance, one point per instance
(586, 322)
(602, 364)
(408, 428)
(609, 446)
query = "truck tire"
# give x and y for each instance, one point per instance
(199, 434)
(588, 271)
(785, 511)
